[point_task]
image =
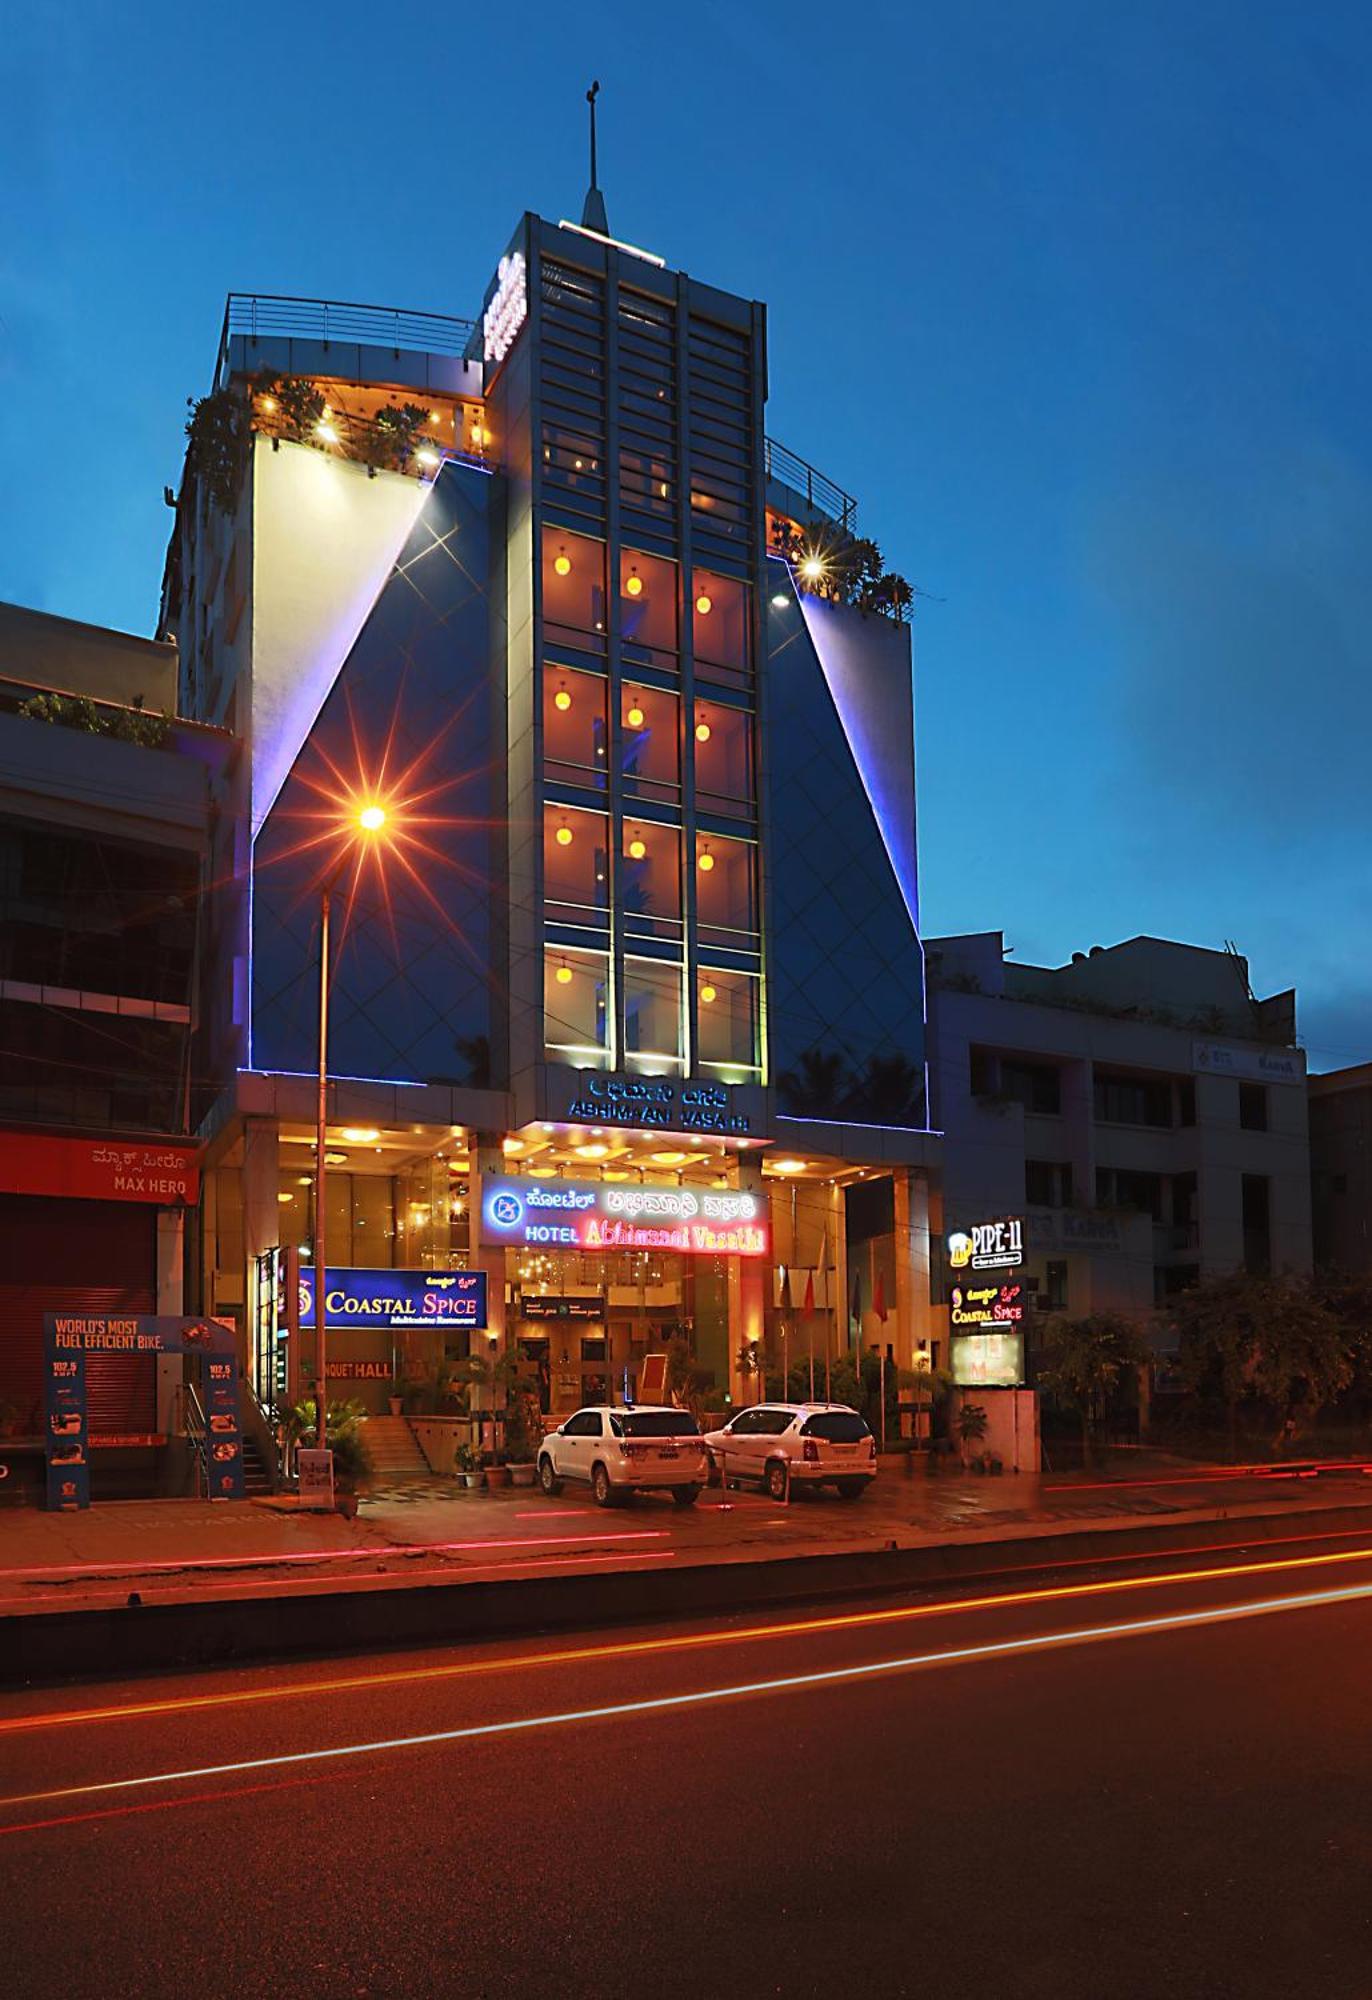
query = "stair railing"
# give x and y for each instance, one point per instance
(196, 1431)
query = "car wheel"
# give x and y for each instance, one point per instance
(778, 1478)
(601, 1490)
(685, 1496)
(547, 1477)
(851, 1489)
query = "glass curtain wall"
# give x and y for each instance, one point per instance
(649, 751)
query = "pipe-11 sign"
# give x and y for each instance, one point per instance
(987, 1246)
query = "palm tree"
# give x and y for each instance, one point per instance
(817, 1087)
(890, 1090)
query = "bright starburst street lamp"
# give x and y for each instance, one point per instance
(361, 824)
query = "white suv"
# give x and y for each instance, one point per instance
(623, 1451)
(812, 1444)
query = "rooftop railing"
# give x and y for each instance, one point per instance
(820, 493)
(259, 316)
(254, 316)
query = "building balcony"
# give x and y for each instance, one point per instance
(347, 342)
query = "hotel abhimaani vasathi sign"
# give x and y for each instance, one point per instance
(591, 1215)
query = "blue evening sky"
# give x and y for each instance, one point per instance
(1075, 298)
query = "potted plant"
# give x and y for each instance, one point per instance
(467, 1460)
(352, 1458)
(497, 1472)
(523, 1436)
(970, 1424)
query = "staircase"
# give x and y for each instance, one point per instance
(396, 1458)
(256, 1477)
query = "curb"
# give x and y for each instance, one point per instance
(108, 1642)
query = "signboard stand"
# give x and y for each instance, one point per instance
(314, 1478)
(69, 1338)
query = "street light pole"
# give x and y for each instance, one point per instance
(370, 820)
(321, 1373)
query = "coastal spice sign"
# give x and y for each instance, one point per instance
(664, 1104)
(597, 1215)
(101, 1170)
(383, 1299)
(978, 1308)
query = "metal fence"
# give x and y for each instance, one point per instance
(820, 493)
(270, 316)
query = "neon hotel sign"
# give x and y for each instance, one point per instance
(592, 1215)
(508, 310)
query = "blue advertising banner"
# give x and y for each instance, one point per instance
(64, 1429)
(384, 1299)
(69, 1338)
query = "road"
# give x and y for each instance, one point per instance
(1151, 1779)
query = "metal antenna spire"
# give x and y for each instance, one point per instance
(593, 214)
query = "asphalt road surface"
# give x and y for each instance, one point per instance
(1152, 1779)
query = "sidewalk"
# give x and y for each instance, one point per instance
(180, 1552)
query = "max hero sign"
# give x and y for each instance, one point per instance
(591, 1215)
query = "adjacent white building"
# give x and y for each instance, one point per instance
(1140, 1107)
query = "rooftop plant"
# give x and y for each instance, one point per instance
(133, 724)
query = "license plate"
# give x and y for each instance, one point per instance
(667, 1451)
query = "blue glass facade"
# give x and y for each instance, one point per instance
(845, 1010)
(410, 717)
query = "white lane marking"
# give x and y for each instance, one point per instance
(779, 1684)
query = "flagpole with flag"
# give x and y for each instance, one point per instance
(787, 1310)
(879, 1308)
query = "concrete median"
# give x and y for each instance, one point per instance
(391, 1612)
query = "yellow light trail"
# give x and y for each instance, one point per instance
(680, 1642)
(699, 1697)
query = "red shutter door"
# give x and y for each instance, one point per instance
(76, 1256)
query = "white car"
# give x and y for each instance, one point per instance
(620, 1451)
(781, 1444)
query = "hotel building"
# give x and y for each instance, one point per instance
(627, 990)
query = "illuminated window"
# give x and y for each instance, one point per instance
(647, 606)
(576, 1007)
(726, 888)
(575, 739)
(650, 878)
(653, 1039)
(719, 622)
(723, 740)
(574, 588)
(727, 1025)
(649, 726)
(576, 882)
